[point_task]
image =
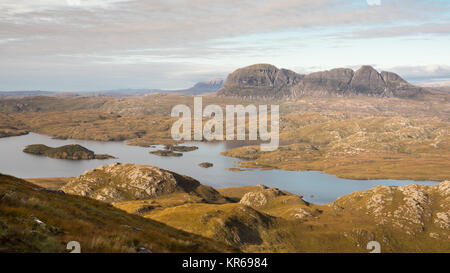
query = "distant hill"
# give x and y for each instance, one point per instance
(204, 87)
(198, 89)
(24, 93)
(267, 81)
(129, 92)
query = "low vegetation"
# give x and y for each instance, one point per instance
(357, 148)
(33, 219)
(411, 218)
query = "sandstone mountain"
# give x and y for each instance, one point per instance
(124, 182)
(260, 80)
(267, 81)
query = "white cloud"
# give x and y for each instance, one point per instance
(13, 7)
(219, 34)
(423, 73)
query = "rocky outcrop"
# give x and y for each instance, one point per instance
(410, 209)
(267, 81)
(124, 182)
(260, 198)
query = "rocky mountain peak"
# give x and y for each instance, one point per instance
(267, 81)
(258, 80)
(367, 80)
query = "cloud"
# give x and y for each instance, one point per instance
(14, 7)
(423, 73)
(203, 33)
(403, 31)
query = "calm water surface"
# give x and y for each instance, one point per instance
(316, 187)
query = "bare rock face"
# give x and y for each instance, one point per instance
(326, 83)
(267, 81)
(368, 81)
(260, 80)
(124, 182)
(392, 77)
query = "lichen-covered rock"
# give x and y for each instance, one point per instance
(409, 208)
(260, 198)
(122, 182)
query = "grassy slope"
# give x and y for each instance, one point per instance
(99, 227)
(286, 223)
(52, 183)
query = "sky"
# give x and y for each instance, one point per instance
(89, 45)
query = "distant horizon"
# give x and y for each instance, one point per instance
(431, 82)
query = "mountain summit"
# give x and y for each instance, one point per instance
(267, 81)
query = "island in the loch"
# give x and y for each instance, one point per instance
(72, 152)
(179, 148)
(174, 150)
(206, 165)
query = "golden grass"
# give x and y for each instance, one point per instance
(98, 226)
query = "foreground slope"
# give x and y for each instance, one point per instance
(33, 219)
(411, 218)
(402, 219)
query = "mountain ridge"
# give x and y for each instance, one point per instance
(268, 81)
